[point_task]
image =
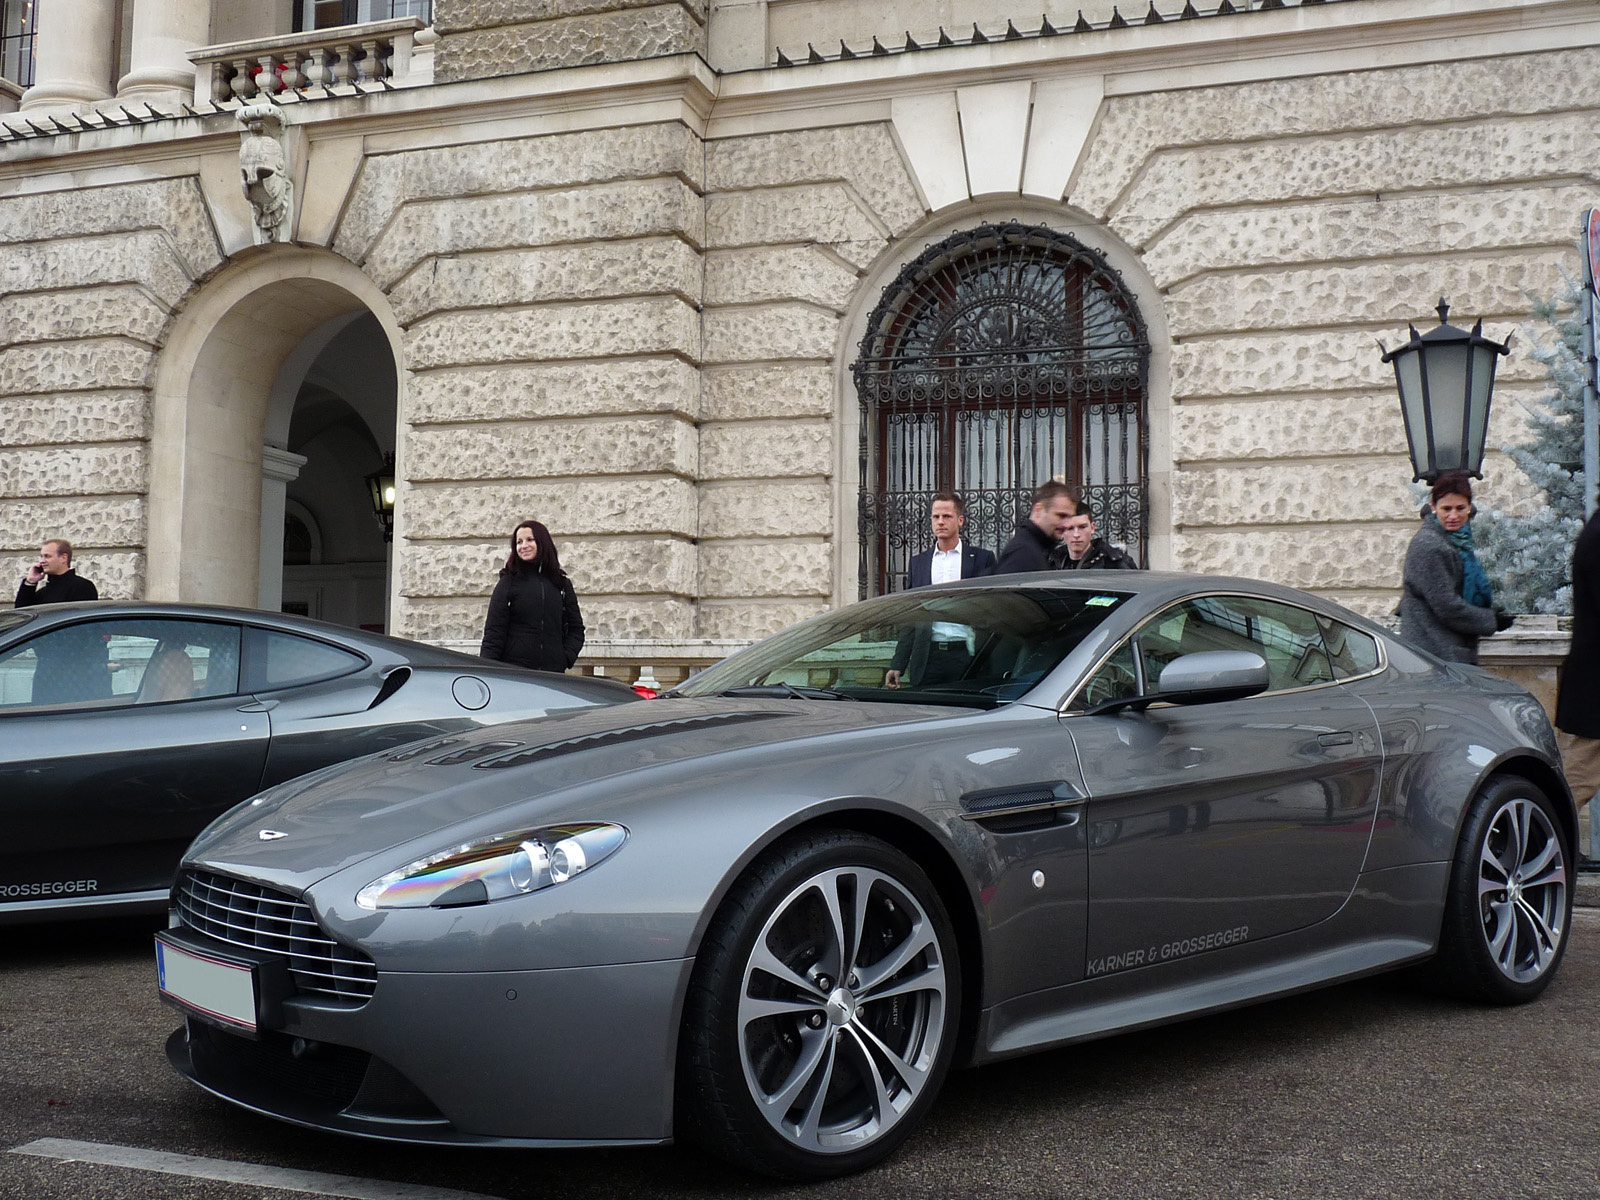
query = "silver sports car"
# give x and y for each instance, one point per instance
(769, 912)
(126, 727)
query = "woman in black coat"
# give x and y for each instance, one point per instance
(533, 617)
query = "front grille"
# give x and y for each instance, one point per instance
(258, 918)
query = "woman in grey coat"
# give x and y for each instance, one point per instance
(1447, 603)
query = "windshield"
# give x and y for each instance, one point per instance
(969, 647)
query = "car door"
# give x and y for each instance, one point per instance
(1212, 824)
(120, 739)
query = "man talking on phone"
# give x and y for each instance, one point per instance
(52, 580)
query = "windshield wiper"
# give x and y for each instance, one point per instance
(785, 689)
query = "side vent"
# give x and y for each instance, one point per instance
(424, 748)
(392, 683)
(615, 737)
(1024, 807)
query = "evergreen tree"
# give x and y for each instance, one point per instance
(1529, 558)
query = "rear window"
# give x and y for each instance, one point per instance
(284, 659)
(1352, 652)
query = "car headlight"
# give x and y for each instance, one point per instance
(510, 864)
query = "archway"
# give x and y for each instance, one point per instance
(1002, 356)
(281, 335)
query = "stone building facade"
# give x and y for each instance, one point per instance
(609, 263)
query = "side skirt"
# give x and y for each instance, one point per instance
(1391, 919)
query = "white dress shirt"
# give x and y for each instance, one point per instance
(946, 568)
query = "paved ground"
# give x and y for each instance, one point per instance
(1371, 1089)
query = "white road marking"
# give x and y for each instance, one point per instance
(314, 1182)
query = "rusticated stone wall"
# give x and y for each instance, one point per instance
(1290, 224)
(88, 279)
(549, 290)
(483, 38)
(792, 220)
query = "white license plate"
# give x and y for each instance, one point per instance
(210, 987)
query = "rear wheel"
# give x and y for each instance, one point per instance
(1510, 903)
(822, 1013)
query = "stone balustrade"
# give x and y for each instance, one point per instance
(10, 96)
(397, 53)
(652, 662)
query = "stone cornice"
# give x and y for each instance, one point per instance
(1276, 43)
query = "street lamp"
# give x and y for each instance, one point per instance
(381, 485)
(1445, 378)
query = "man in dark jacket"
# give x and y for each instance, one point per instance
(1578, 697)
(52, 580)
(924, 656)
(1081, 550)
(1036, 538)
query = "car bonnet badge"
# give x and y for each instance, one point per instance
(270, 835)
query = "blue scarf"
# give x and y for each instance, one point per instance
(1475, 589)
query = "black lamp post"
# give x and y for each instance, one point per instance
(1445, 377)
(381, 485)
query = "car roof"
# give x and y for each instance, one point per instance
(382, 645)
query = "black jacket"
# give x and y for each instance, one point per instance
(975, 561)
(1101, 556)
(1028, 550)
(533, 622)
(1578, 699)
(56, 589)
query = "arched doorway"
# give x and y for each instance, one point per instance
(1001, 357)
(287, 347)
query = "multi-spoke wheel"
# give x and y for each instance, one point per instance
(1509, 905)
(823, 1010)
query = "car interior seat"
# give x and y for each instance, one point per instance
(169, 676)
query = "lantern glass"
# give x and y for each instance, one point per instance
(1446, 367)
(1408, 374)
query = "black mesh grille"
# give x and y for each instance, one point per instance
(259, 918)
(326, 1075)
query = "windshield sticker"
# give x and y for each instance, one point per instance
(1099, 601)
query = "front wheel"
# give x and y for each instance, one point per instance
(822, 1013)
(1509, 904)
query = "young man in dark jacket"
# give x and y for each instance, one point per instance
(1036, 538)
(1081, 550)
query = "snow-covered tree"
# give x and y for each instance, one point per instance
(1529, 557)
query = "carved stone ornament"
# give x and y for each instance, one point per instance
(264, 172)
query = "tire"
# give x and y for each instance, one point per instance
(787, 1067)
(1509, 906)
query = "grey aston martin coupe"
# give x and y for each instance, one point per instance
(769, 912)
(126, 727)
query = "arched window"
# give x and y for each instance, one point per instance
(1001, 358)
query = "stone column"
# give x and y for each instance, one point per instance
(72, 53)
(279, 468)
(159, 68)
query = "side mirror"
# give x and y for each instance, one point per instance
(1212, 675)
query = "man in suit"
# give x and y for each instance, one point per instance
(938, 651)
(1578, 697)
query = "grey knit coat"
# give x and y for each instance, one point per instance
(1432, 613)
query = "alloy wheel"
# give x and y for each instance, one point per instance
(842, 1009)
(1522, 886)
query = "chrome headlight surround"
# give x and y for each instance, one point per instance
(495, 868)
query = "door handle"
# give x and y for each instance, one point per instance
(1342, 738)
(258, 706)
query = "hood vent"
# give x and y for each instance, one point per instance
(425, 748)
(467, 753)
(615, 737)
